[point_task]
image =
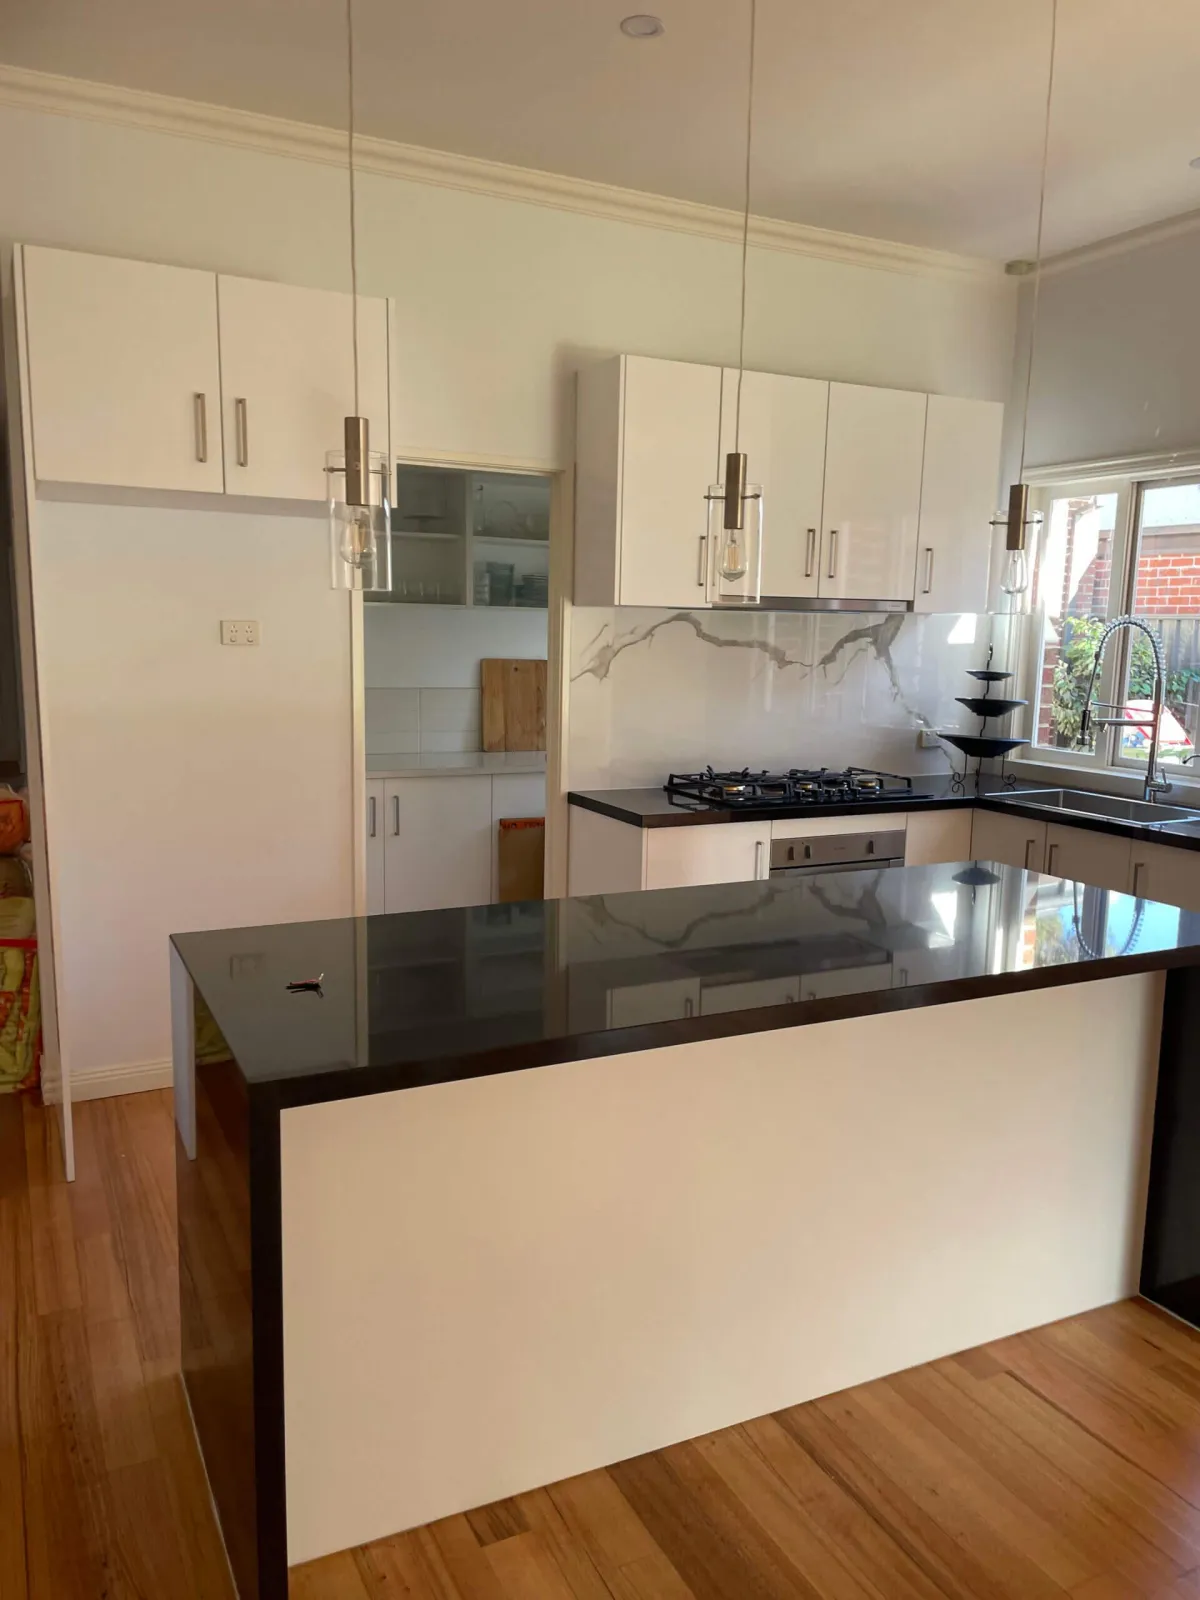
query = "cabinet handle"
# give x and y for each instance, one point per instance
(200, 425)
(396, 815)
(700, 561)
(810, 553)
(1051, 857)
(371, 816)
(1029, 847)
(241, 433)
(759, 850)
(689, 1007)
(928, 569)
(1138, 867)
(833, 538)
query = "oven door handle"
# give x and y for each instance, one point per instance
(815, 869)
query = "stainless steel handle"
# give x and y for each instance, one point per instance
(689, 1007)
(200, 425)
(759, 852)
(928, 569)
(833, 538)
(396, 815)
(241, 433)
(1051, 857)
(701, 563)
(1138, 869)
(810, 554)
(370, 816)
(1029, 847)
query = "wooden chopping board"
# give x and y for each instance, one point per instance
(514, 704)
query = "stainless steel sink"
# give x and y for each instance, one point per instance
(1081, 803)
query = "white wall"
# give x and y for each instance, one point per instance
(1116, 358)
(189, 785)
(498, 300)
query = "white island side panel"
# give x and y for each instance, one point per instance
(491, 1285)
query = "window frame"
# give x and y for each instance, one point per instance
(1129, 479)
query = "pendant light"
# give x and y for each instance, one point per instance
(735, 507)
(360, 544)
(1018, 520)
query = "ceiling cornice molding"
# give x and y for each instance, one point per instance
(1122, 244)
(248, 130)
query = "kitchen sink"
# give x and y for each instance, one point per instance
(1081, 803)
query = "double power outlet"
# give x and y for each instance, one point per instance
(239, 632)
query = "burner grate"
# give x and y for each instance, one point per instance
(748, 789)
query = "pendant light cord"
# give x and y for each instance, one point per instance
(737, 423)
(350, 163)
(1037, 258)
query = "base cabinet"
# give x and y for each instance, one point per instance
(1165, 872)
(1014, 841)
(731, 853)
(1100, 859)
(933, 836)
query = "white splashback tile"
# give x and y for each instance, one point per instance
(449, 711)
(392, 721)
(440, 647)
(433, 743)
(660, 691)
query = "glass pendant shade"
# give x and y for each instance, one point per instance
(734, 574)
(360, 543)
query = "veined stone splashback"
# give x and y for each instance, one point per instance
(654, 692)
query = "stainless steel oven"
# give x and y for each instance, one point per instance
(836, 852)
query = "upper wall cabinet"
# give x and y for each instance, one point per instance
(783, 425)
(124, 378)
(958, 498)
(153, 377)
(648, 444)
(873, 452)
(287, 374)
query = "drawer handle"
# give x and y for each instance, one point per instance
(371, 816)
(833, 539)
(759, 852)
(700, 562)
(396, 815)
(1051, 858)
(241, 433)
(1138, 868)
(200, 425)
(1029, 849)
(810, 553)
(928, 569)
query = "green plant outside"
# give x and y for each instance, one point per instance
(1073, 668)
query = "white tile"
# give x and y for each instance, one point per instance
(450, 711)
(412, 646)
(392, 721)
(433, 741)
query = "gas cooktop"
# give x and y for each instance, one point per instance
(799, 786)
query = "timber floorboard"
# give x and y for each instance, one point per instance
(1062, 1464)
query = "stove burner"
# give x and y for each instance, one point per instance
(799, 787)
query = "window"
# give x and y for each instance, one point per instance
(1110, 548)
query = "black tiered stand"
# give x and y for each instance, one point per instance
(982, 745)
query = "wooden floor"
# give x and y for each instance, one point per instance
(1059, 1463)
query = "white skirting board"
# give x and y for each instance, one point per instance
(491, 1285)
(99, 1083)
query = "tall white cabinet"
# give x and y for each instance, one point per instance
(873, 457)
(124, 372)
(959, 488)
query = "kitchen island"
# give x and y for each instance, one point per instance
(523, 1190)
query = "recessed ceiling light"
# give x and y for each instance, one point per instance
(642, 26)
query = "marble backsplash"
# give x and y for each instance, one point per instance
(654, 692)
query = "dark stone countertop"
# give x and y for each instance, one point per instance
(439, 996)
(653, 808)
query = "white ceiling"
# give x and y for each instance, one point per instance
(912, 120)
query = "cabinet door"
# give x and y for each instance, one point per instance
(123, 371)
(937, 836)
(723, 852)
(376, 885)
(872, 493)
(1014, 841)
(438, 842)
(1166, 873)
(959, 485)
(1099, 859)
(670, 439)
(783, 434)
(287, 377)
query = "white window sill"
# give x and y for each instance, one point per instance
(1107, 780)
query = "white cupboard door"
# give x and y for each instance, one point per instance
(1164, 872)
(783, 435)
(287, 376)
(438, 842)
(670, 438)
(959, 486)
(1098, 859)
(1013, 841)
(123, 370)
(872, 493)
(375, 823)
(725, 852)
(933, 836)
